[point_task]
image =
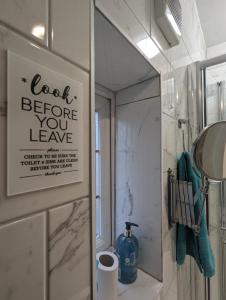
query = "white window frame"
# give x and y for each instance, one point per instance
(108, 212)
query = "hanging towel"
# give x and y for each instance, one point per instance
(187, 242)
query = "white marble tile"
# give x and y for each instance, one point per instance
(71, 30)
(200, 285)
(168, 92)
(193, 100)
(181, 87)
(184, 279)
(169, 273)
(146, 89)
(69, 252)
(29, 17)
(215, 282)
(22, 259)
(192, 32)
(138, 177)
(169, 142)
(214, 204)
(31, 202)
(161, 64)
(142, 10)
(145, 287)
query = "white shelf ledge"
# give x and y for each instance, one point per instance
(144, 288)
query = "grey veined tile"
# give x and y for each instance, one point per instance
(22, 259)
(69, 251)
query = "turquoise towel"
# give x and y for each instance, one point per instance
(187, 242)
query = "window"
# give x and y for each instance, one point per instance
(103, 172)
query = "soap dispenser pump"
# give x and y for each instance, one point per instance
(127, 251)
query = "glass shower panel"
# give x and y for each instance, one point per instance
(215, 105)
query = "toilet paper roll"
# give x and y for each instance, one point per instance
(107, 276)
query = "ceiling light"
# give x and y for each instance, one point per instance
(148, 47)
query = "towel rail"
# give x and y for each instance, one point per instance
(181, 206)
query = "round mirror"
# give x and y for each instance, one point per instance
(209, 151)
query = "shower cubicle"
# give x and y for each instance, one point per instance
(213, 109)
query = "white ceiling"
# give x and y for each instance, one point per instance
(117, 63)
(212, 15)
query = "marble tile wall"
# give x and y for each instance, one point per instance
(138, 170)
(69, 251)
(23, 259)
(179, 97)
(44, 242)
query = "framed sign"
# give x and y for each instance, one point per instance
(44, 134)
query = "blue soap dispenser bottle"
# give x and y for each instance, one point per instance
(127, 251)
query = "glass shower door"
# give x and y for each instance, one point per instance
(215, 110)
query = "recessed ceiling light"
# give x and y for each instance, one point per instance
(148, 47)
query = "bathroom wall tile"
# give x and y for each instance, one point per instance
(216, 243)
(138, 177)
(193, 100)
(161, 63)
(168, 92)
(169, 274)
(200, 285)
(71, 30)
(30, 202)
(181, 85)
(192, 31)
(69, 251)
(178, 55)
(184, 277)
(146, 89)
(169, 142)
(214, 204)
(29, 17)
(142, 10)
(22, 259)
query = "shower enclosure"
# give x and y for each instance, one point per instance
(213, 110)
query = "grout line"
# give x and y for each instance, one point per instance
(30, 214)
(152, 97)
(152, 78)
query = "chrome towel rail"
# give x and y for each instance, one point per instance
(181, 202)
